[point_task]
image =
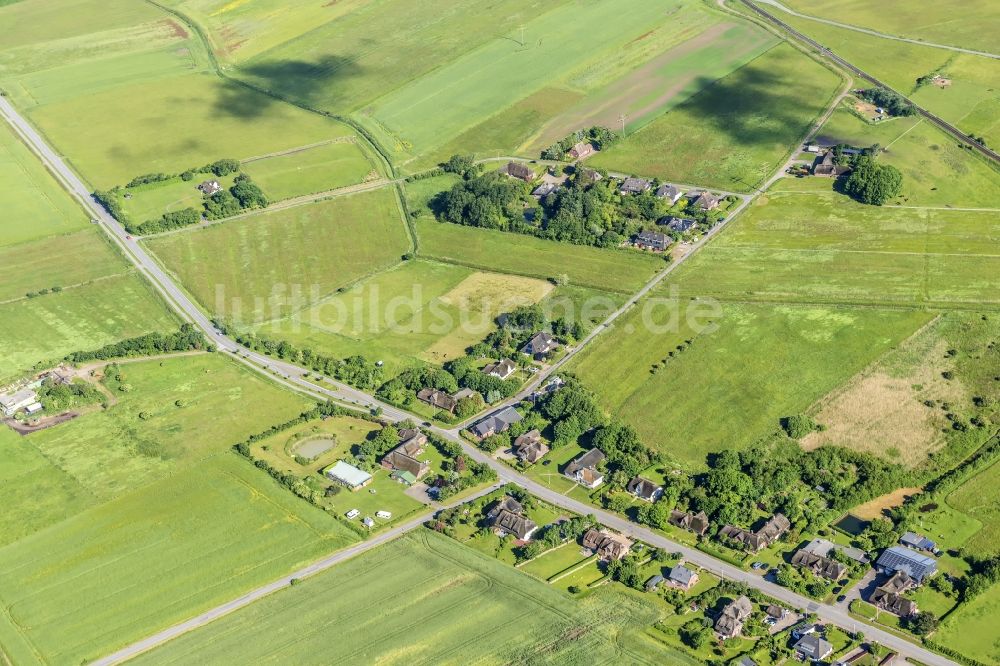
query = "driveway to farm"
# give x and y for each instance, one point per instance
(291, 375)
(875, 33)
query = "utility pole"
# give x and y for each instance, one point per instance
(621, 118)
(522, 34)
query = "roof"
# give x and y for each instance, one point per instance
(746, 661)
(544, 188)
(505, 503)
(644, 488)
(814, 646)
(502, 368)
(540, 343)
(654, 581)
(681, 575)
(696, 522)
(820, 565)
(918, 541)
(437, 398)
(606, 544)
(530, 446)
(400, 459)
(730, 621)
(667, 191)
(349, 474)
(632, 185)
(496, 422)
(405, 476)
(513, 523)
(413, 438)
(653, 239)
(587, 460)
(705, 200)
(678, 224)
(900, 558)
(18, 399)
(774, 610)
(518, 170)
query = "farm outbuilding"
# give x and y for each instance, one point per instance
(348, 475)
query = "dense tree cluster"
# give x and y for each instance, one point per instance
(583, 212)
(148, 178)
(173, 220)
(58, 397)
(600, 137)
(873, 183)
(894, 104)
(186, 339)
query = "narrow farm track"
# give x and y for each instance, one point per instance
(291, 376)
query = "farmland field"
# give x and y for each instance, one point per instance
(776, 360)
(804, 242)
(310, 170)
(271, 264)
(971, 630)
(46, 328)
(736, 131)
(936, 172)
(609, 270)
(419, 310)
(34, 205)
(120, 571)
(460, 600)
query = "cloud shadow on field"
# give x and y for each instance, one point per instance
(296, 80)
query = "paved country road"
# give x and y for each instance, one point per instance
(292, 375)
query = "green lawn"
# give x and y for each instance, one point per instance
(609, 270)
(271, 264)
(971, 629)
(978, 500)
(804, 242)
(33, 203)
(735, 132)
(311, 170)
(46, 328)
(555, 561)
(119, 572)
(731, 386)
(550, 475)
(458, 598)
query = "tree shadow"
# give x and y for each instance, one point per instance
(268, 83)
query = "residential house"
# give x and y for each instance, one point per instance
(645, 489)
(539, 346)
(704, 200)
(775, 611)
(588, 176)
(14, 402)
(828, 167)
(889, 595)
(745, 661)
(529, 447)
(436, 398)
(506, 516)
(681, 577)
(581, 151)
(502, 369)
(819, 565)
(899, 558)
(730, 621)
(824, 547)
(678, 224)
(652, 240)
(633, 185)
(584, 470)
(693, 522)
(813, 648)
(605, 545)
(403, 458)
(544, 190)
(496, 423)
(518, 171)
(550, 386)
(756, 541)
(918, 542)
(413, 439)
(669, 192)
(348, 475)
(210, 187)
(462, 394)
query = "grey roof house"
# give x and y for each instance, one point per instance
(813, 647)
(645, 489)
(584, 470)
(653, 240)
(633, 185)
(496, 423)
(917, 542)
(670, 192)
(899, 558)
(540, 345)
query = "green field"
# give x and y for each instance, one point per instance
(46, 328)
(978, 498)
(608, 270)
(310, 170)
(804, 242)
(34, 205)
(150, 201)
(735, 132)
(971, 630)
(119, 572)
(933, 22)
(970, 101)
(936, 172)
(271, 264)
(425, 598)
(730, 387)
(417, 311)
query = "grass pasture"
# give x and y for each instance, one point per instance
(271, 264)
(736, 131)
(978, 498)
(419, 310)
(119, 572)
(151, 200)
(804, 242)
(46, 328)
(936, 172)
(730, 387)
(33, 204)
(310, 170)
(971, 629)
(461, 599)
(608, 270)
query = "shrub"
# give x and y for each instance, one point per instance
(798, 425)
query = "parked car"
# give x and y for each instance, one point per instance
(352, 514)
